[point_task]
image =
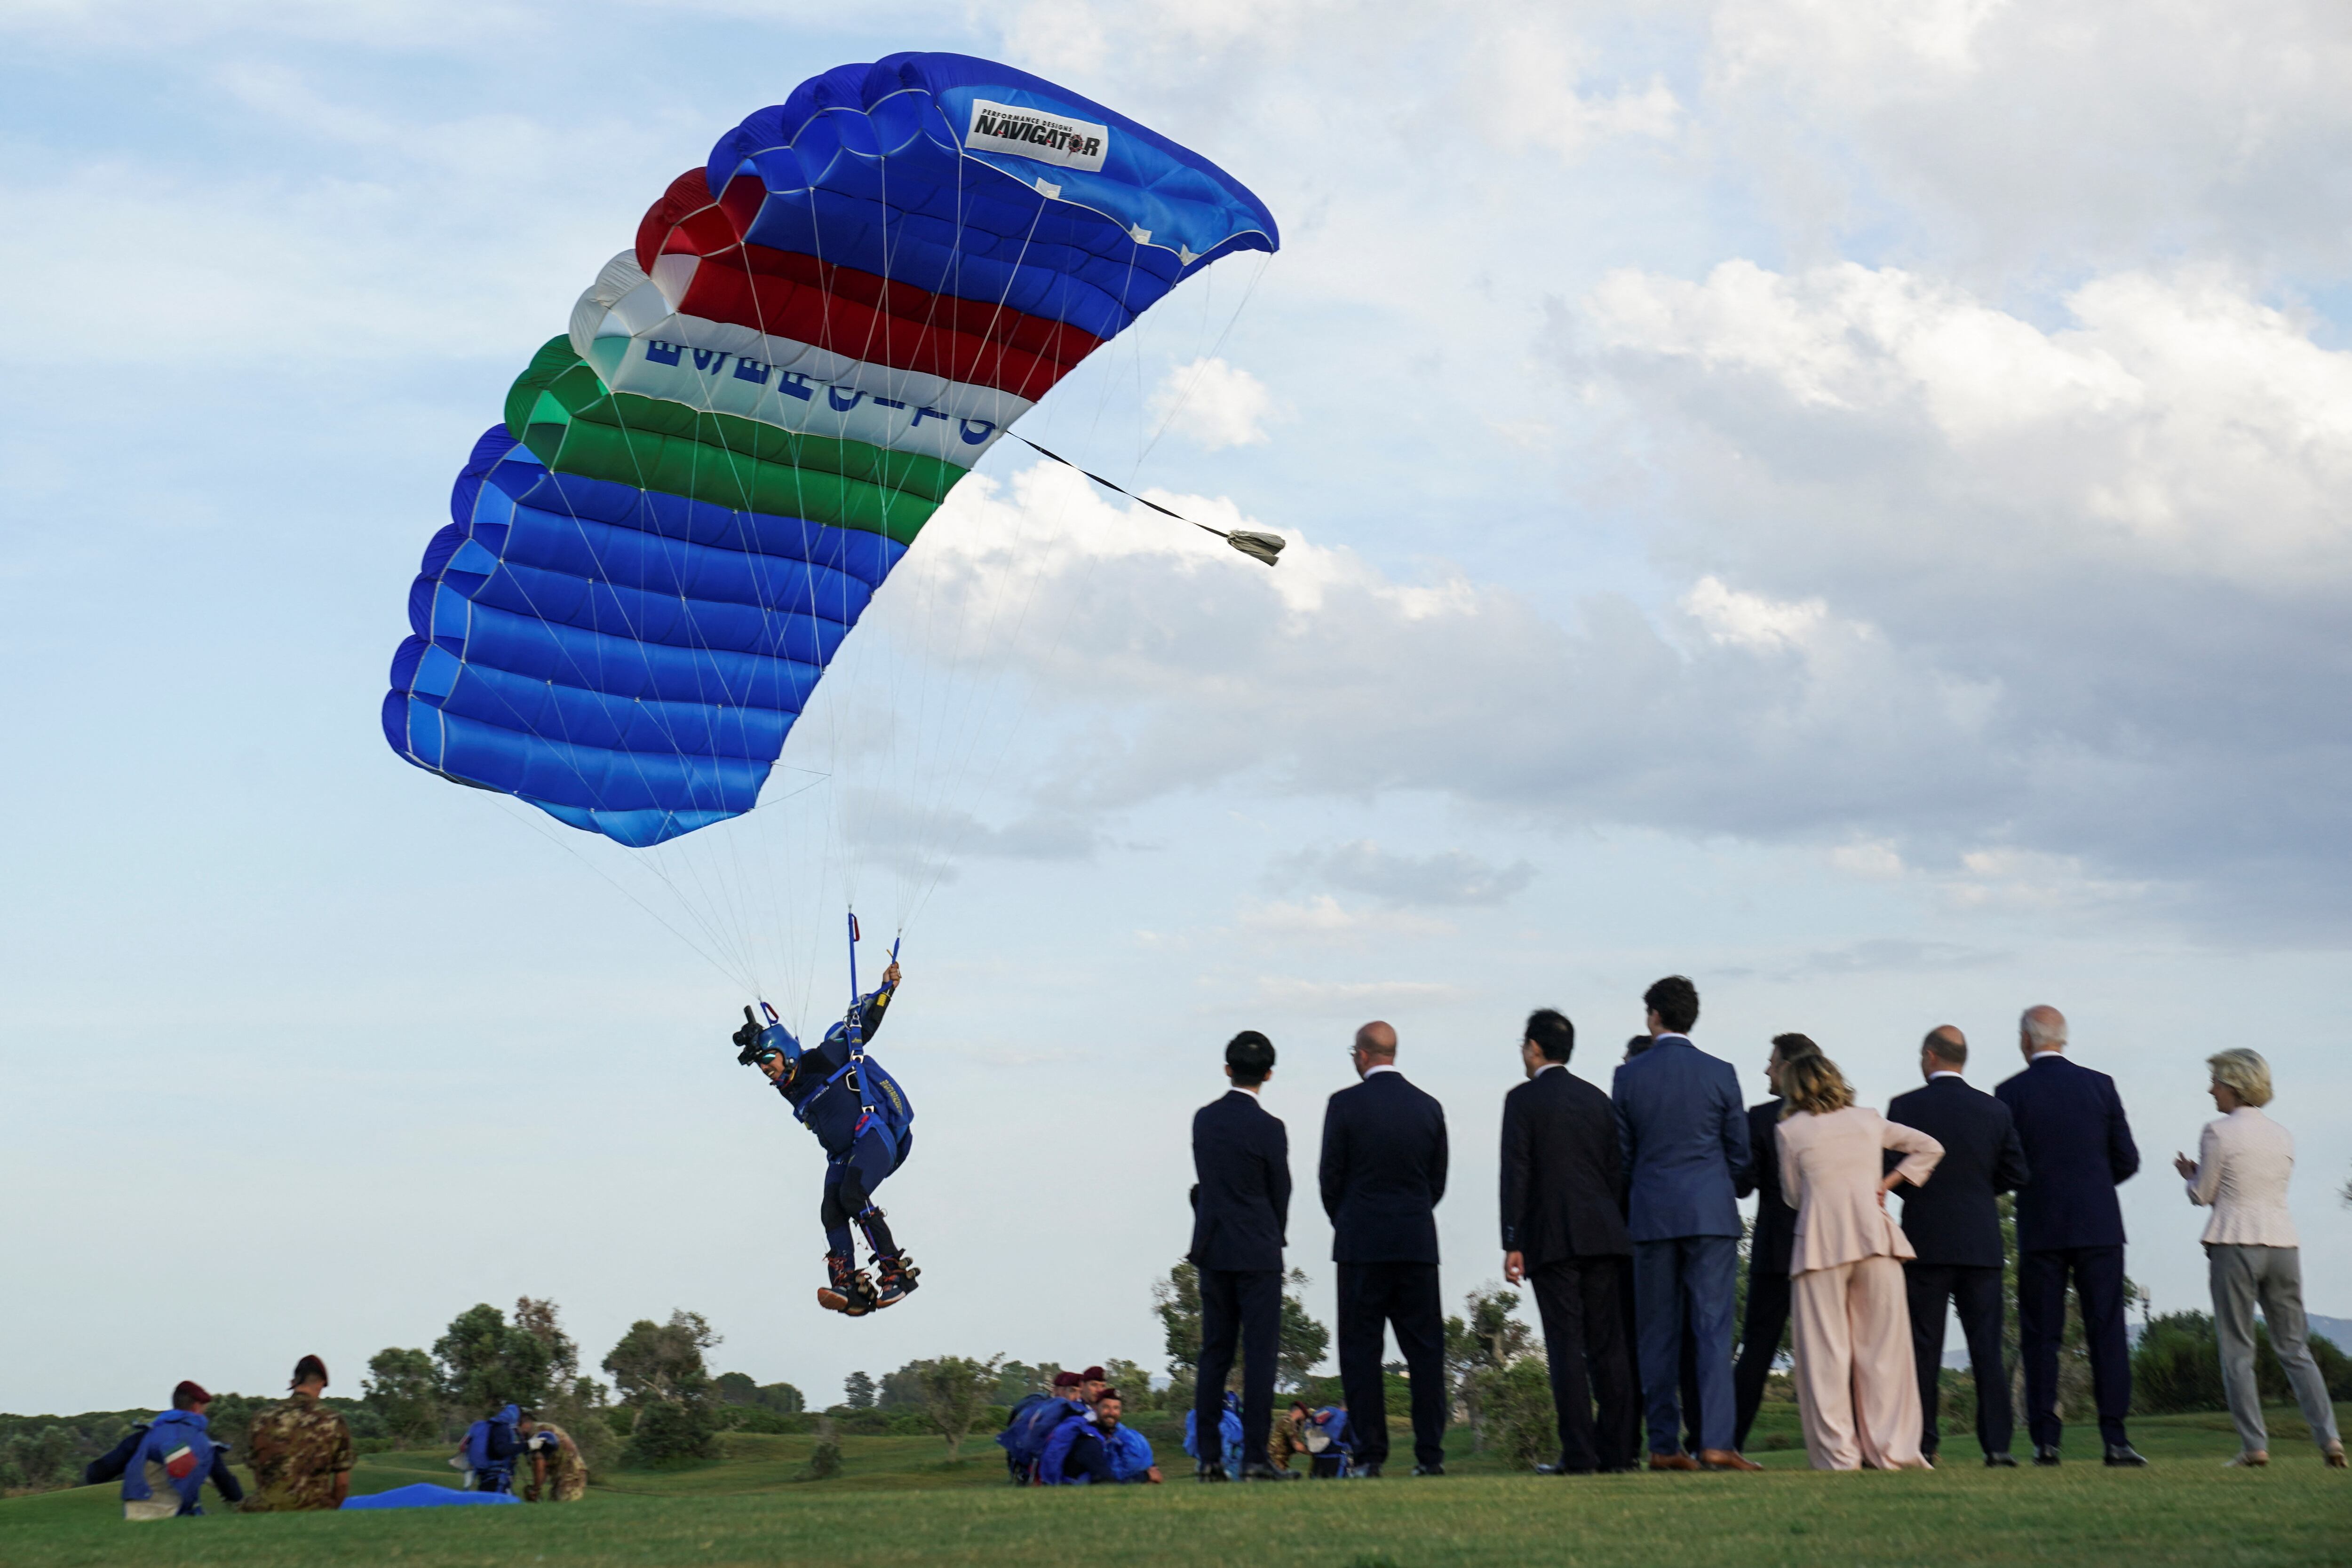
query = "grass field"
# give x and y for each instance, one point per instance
(898, 1503)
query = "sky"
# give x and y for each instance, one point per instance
(1842, 501)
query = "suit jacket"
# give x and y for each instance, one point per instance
(1830, 1165)
(1683, 1135)
(1955, 1218)
(1563, 1179)
(1241, 1201)
(2078, 1147)
(1384, 1171)
(1776, 1222)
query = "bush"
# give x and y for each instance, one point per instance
(825, 1460)
(1515, 1405)
(673, 1432)
(2177, 1366)
(772, 1422)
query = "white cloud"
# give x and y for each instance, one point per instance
(1524, 87)
(1355, 999)
(1213, 403)
(1448, 877)
(1323, 918)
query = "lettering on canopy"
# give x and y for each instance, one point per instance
(1032, 133)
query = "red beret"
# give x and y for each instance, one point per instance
(1065, 1380)
(188, 1394)
(1091, 1375)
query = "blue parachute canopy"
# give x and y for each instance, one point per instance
(697, 488)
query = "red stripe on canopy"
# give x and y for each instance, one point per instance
(840, 309)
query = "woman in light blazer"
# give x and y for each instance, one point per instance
(1857, 1384)
(2240, 1172)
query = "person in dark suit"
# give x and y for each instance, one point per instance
(1767, 1322)
(1683, 1134)
(1954, 1223)
(2079, 1148)
(1564, 1234)
(1383, 1172)
(1240, 1219)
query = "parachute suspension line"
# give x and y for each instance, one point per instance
(1079, 592)
(1265, 260)
(1257, 545)
(528, 815)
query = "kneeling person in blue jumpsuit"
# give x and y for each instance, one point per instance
(861, 1148)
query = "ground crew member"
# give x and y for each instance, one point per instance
(300, 1448)
(170, 1461)
(554, 1454)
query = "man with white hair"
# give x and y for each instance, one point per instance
(2079, 1148)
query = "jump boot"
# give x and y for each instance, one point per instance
(846, 1289)
(897, 1279)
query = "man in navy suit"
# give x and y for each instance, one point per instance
(1683, 1135)
(1240, 1218)
(1383, 1173)
(1954, 1223)
(1564, 1234)
(2079, 1148)
(1768, 1249)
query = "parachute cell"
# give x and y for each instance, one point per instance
(697, 489)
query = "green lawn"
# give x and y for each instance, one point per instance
(751, 1508)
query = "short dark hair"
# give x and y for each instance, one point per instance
(1789, 1047)
(1943, 1048)
(1675, 1001)
(1638, 1044)
(1251, 1056)
(1553, 1034)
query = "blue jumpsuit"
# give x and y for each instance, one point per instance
(859, 1152)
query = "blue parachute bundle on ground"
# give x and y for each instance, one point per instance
(427, 1494)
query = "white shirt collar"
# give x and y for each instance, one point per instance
(1657, 1040)
(1249, 1088)
(1383, 1067)
(2040, 1055)
(1548, 1066)
(1942, 1073)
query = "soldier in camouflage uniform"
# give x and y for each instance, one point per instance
(553, 1456)
(301, 1449)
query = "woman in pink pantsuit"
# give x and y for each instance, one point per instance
(1857, 1386)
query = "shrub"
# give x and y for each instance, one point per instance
(1515, 1407)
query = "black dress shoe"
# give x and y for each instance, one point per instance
(1211, 1470)
(2124, 1456)
(1429, 1469)
(1370, 1472)
(2045, 1453)
(1561, 1470)
(2000, 1461)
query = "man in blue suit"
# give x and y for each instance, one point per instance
(1241, 1216)
(2078, 1149)
(1683, 1136)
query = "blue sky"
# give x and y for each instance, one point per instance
(1844, 503)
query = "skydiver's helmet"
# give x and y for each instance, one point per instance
(754, 1042)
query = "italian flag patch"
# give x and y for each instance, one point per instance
(180, 1463)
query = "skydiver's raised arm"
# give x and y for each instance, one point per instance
(878, 999)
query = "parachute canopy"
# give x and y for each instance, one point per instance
(696, 490)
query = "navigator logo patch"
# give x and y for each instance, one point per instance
(1032, 133)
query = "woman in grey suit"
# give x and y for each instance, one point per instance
(2241, 1173)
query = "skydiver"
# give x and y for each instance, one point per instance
(861, 1149)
